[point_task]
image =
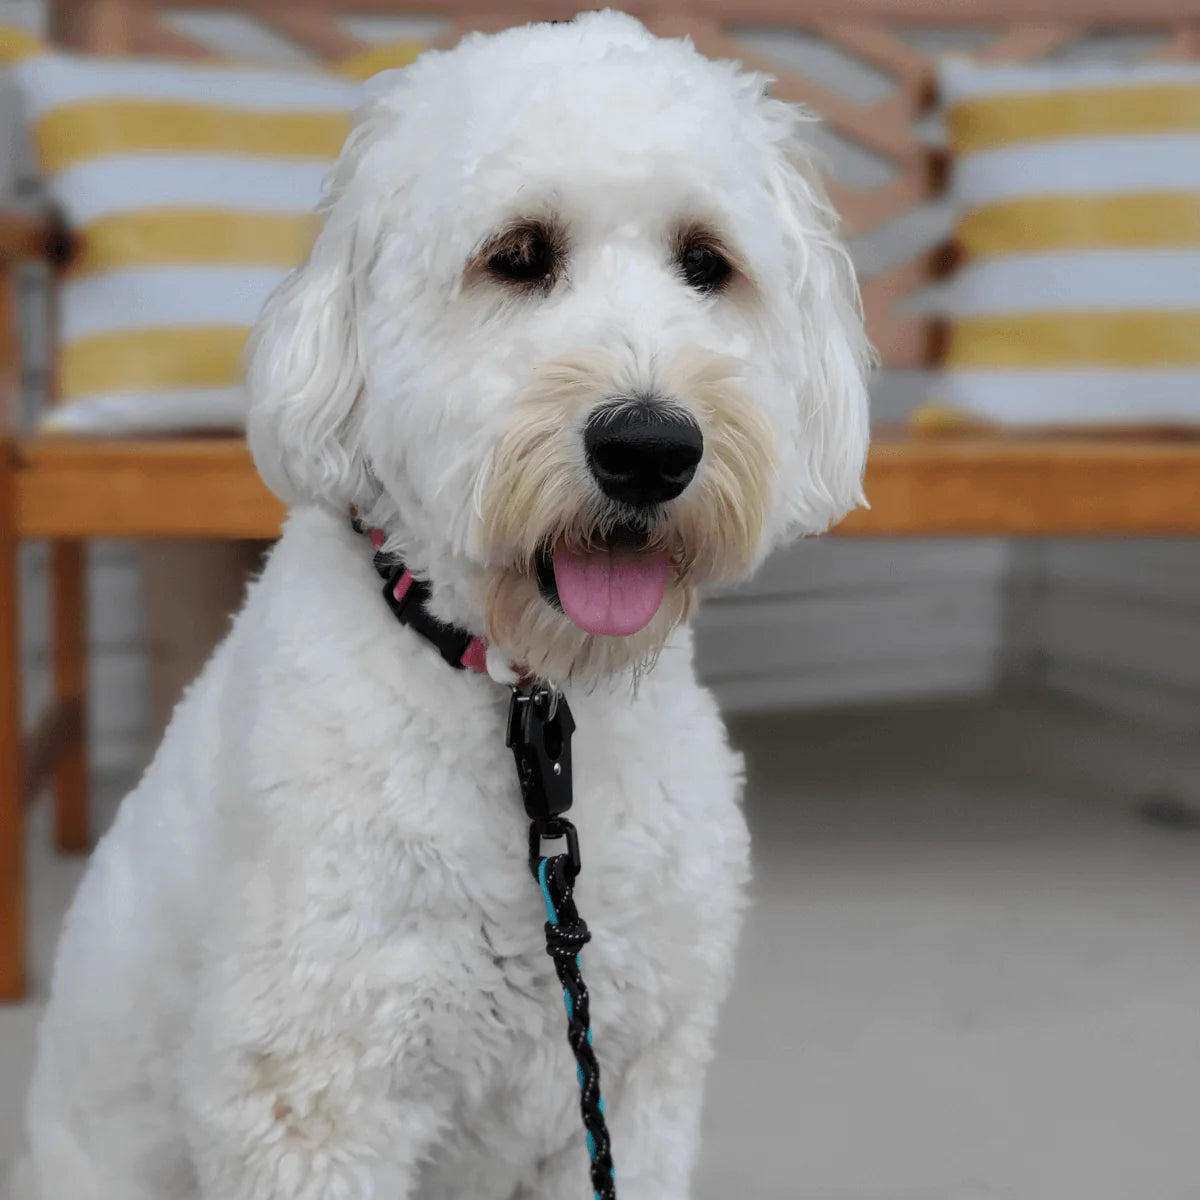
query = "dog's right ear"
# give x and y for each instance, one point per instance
(304, 366)
(305, 378)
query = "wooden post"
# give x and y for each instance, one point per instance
(67, 567)
(12, 911)
(12, 908)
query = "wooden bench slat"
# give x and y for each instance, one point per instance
(880, 46)
(1027, 42)
(152, 35)
(204, 488)
(954, 485)
(1033, 486)
(314, 30)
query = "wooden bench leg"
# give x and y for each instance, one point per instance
(12, 874)
(72, 833)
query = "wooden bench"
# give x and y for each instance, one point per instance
(70, 491)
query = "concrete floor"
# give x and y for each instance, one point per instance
(972, 969)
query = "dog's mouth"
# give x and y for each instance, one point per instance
(614, 585)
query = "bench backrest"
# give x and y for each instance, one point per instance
(867, 66)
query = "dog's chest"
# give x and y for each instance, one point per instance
(664, 863)
(664, 851)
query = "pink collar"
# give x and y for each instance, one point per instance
(408, 598)
(474, 657)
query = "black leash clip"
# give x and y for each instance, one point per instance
(540, 726)
(539, 735)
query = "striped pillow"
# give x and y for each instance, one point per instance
(191, 188)
(1078, 197)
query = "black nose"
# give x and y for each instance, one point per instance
(641, 453)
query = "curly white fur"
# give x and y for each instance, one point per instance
(306, 963)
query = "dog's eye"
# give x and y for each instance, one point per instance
(528, 256)
(704, 267)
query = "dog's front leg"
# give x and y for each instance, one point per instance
(313, 1077)
(656, 1113)
(654, 1121)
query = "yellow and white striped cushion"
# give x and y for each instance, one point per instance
(191, 188)
(1078, 193)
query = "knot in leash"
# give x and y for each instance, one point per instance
(566, 934)
(566, 940)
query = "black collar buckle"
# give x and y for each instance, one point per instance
(409, 609)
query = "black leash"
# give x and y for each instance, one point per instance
(539, 733)
(540, 726)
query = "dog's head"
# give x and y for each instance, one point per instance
(577, 332)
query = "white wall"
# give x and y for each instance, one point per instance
(841, 621)
(119, 713)
(1114, 623)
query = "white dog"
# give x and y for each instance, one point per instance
(579, 336)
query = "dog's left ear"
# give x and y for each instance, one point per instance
(824, 471)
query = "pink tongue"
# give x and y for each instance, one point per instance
(614, 592)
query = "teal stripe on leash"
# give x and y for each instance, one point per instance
(552, 918)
